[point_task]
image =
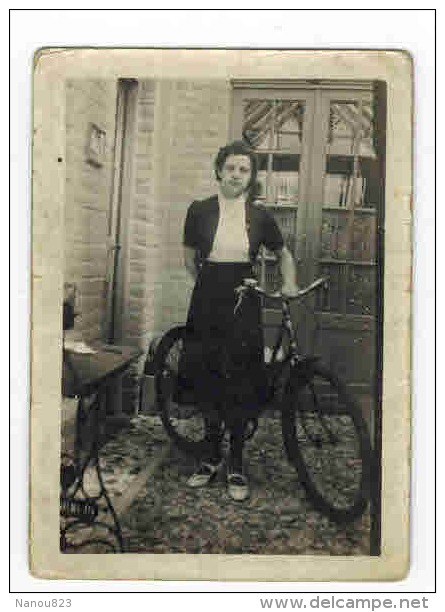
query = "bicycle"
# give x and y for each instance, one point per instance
(324, 434)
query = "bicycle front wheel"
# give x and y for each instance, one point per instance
(326, 439)
(180, 415)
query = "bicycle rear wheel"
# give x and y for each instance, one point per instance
(180, 415)
(326, 439)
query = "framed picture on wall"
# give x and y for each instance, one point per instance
(95, 146)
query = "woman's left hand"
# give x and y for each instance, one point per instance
(290, 290)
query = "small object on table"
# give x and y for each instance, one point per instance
(78, 346)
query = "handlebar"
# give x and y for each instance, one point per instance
(252, 283)
(323, 280)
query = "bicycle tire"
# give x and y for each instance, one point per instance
(183, 422)
(327, 440)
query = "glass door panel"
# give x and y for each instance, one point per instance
(335, 242)
(347, 250)
(351, 161)
(274, 128)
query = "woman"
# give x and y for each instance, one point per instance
(222, 236)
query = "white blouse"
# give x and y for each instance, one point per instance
(231, 243)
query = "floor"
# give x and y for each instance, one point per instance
(146, 478)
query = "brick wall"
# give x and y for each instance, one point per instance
(142, 244)
(192, 123)
(88, 199)
(178, 128)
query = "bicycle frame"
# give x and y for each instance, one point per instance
(293, 361)
(286, 327)
(280, 373)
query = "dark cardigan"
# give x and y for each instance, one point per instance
(202, 221)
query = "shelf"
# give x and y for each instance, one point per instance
(279, 205)
(346, 262)
(326, 207)
(358, 209)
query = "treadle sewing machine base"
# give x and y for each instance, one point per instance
(87, 515)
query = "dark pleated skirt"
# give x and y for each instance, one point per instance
(227, 347)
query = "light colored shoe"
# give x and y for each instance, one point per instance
(237, 487)
(205, 473)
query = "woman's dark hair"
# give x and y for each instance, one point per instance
(239, 147)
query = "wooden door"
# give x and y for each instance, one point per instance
(120, 202)
(344, 234)
(320, 156)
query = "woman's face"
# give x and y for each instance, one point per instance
(235, 175)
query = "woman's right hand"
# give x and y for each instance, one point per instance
(190, 261)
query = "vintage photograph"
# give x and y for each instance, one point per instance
(222, 312)
(222, 317)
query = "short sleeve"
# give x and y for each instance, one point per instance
(272, 237)
(190, 238)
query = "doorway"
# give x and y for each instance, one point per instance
(320, 148)
(119, 212)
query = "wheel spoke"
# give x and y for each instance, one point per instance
(331, 462)
(326, 439)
